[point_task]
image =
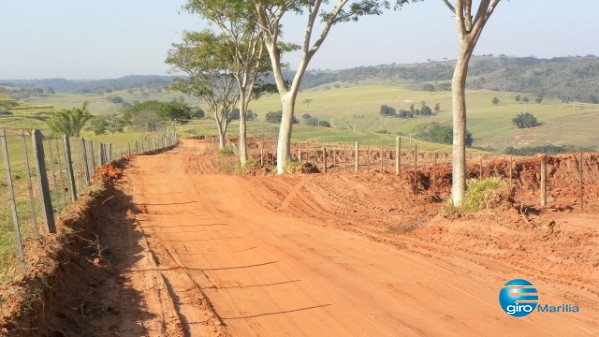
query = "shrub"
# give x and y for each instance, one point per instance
(276, 116)
(438, 133)
(525, 120)
(487, 193)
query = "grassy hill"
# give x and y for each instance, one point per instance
(353, 112)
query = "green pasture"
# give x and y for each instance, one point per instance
(353, 112)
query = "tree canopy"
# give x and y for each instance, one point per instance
(69, 122)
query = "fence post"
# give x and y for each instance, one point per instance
(109, 156)
(36, 233)
(434, 180)
(38, 150)
(69, 167)
(324, 159)
(415, 156)
(60, 179)
(85, 163)
(357, 158)
(13, 201)
(398, 155)
(382, 158)
(581, 183)
(543, 180)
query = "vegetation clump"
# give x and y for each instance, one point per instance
(485, 194)
(525, 120)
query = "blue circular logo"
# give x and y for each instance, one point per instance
(518, 298)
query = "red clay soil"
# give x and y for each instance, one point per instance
(190, 252)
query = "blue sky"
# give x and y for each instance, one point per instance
(91, 39)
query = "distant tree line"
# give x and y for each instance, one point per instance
(413, 112)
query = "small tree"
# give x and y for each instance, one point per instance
(69, 122)
(200, 56)
(111, 123)
(525, 120)
(387, 111)
(495, 100)
(149, 116)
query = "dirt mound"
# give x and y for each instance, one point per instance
(59, 294)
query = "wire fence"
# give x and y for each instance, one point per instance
(566, 180)
(42, 175)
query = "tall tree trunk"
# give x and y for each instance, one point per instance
(243, 150)
(285, 130)
(458, 94)
(221, 134)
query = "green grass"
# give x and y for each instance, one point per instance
(483, 194)
(561, 123)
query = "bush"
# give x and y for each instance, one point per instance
(438, 133)
(324, 124)
(276, 116)
(525, 120)
(484, 194)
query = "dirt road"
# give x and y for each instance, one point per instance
(234, 256)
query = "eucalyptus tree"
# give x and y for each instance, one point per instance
(270, 15)
(470, 23)
(245, 55)
(209, 77)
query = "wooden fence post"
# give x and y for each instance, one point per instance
(324, 159)
(13, 201)
(38, 150)
(382, 158)
(69, 167)
(357, 158)
(36, 233)
(398, 155)
(85, 163)
(581, 182)
(434, 178)
(415, 156)
(60, 179)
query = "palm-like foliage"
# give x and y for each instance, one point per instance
(70, 122)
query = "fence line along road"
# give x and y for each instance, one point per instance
(43, 176)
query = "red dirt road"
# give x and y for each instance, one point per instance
(280, 256)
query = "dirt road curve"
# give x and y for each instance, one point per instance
(227, 256)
